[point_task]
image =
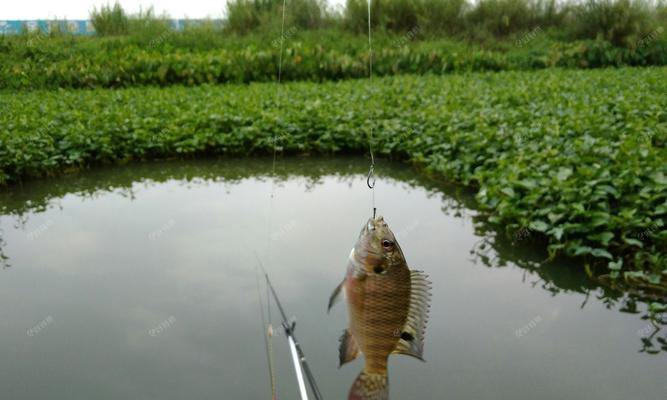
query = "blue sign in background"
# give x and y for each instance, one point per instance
(76, 27)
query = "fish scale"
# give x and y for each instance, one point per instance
(378, 313)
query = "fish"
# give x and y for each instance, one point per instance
(388, 306)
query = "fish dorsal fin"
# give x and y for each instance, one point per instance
(411, 340)
(348, 350)
(336, 295)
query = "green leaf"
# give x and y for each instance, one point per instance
(657, 307)
(633, 242)
(553, 217)
(508, 191)
(599, 218)
(557, 232)
(601, 253)
(539, 226)
(527, 184)
(615, 265)
(582, 250)
(563, 173)
(603, 237)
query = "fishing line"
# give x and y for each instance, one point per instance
(300, 364)
(267, 334)
(269, 325)
(370, 179)
(275, 135)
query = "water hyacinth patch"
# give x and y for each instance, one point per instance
(576, 158)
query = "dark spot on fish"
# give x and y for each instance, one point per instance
(407, 336)
(378, 270)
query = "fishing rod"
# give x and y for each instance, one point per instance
(298, 356)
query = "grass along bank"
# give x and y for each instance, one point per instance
(574, 157)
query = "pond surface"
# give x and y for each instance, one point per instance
(138, 282)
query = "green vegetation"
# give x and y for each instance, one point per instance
(576, 158)
(622, 22)
(411, 37)
(110, 20)
(250, 15)
(166, 58)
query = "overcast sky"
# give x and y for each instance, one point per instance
(78, 9)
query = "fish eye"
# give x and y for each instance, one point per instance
(387, 244)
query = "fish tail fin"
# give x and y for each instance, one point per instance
(370, 386)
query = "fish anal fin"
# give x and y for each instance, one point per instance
(336, 295)
(348, 350)
(411, 338)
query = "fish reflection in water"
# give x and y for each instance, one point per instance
(388, 308)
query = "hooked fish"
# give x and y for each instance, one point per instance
(388, 307)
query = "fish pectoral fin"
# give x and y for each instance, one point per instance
(336, 296)
(348, 350)
(411, 340)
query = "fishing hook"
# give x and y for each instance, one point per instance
(370, 180)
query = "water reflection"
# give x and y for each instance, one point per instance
(38, 195)
(566, 276)
(171, 292)
(4, 260)
(492, 250)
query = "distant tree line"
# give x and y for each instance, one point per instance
(621, 22)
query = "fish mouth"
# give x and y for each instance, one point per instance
(373, 224)
(368, 244)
